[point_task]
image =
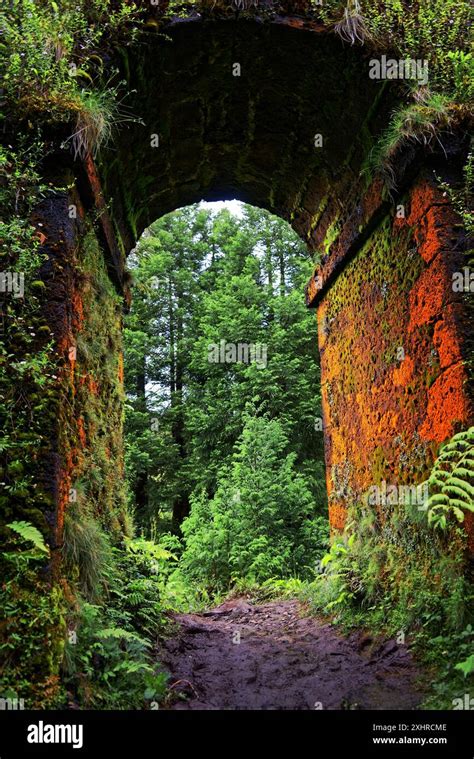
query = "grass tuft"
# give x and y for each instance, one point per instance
(86, 552)
(353, 28)
(422, 121)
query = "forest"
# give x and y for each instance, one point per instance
(233, 309)
(196, 418)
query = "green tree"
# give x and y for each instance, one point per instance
(202, 279)
(261, 522)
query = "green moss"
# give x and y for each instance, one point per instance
(97, 393)
(331, 235)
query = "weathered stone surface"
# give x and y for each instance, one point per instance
(393, 338)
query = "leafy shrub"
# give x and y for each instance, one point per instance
(109, 667)
(29, 532)
(109, 659)
(260, 523)
(53, 52)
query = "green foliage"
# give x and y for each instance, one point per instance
(450, 656)
(110, 667)
(86, 551)
(32, 621)
(29, 532)
(463, 75)
(260, 523)
(26, 367)
(55, 63)
(451, 482)
(236, 440)
(466, 666)
(433, 30)
(30, 651)
(109, 661)
(100, 112)
(419, 122)
(199, 279)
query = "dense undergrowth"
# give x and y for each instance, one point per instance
(110, 614)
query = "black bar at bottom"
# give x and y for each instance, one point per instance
(164, 733)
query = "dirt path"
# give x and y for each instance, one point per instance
(284, 661)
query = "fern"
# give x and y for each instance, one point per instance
(29, 532)
(452, 480)
(119, 633)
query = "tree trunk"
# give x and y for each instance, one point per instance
(141, 483)
(181, 506)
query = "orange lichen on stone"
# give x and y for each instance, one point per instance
(81, 431)
(435, 231)
(92, 385)
(321, 320)
(446, 337)
(94, 179)
(69, 594)
(447, 404)
(339, 444)
(337, 516)
(72, 367)
(120, 368)
(403, 374)
(77, 311)
(423, 196)
(429, 294)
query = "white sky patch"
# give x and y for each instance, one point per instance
(234, 206)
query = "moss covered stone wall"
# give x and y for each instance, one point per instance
(393, 336)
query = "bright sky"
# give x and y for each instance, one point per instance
(234, 206)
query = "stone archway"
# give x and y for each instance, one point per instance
(392, 333)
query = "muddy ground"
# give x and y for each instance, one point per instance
(274, 656)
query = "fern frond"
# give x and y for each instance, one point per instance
(28, 531)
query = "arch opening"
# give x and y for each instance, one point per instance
(223, 425)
